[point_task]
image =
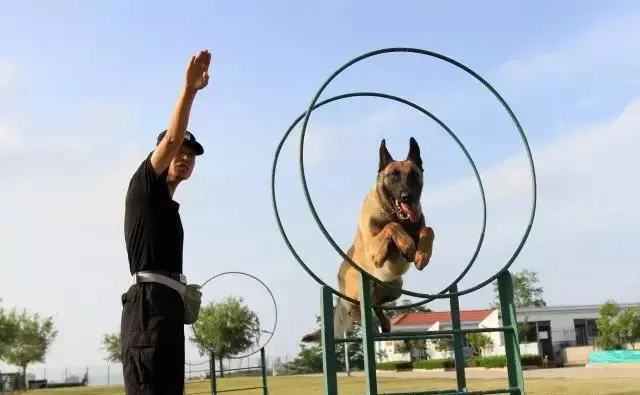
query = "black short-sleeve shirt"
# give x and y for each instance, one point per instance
(152, 226)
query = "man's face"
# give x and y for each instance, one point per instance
(182, 164)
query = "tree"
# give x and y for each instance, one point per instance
(33, 337)
(225, 328)
(413, 347)
(628, 323)
(478, 342)
(8, 330)
(608, 331)
(616, 327)
(308, 360)
(444, 344)
(112, 345)
(526, 291)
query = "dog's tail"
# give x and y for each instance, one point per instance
(342, 322)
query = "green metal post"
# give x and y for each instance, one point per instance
(511, 340)
(329, 361)
(368, 349)
(457, 340)
(263, 360)
(212, 370)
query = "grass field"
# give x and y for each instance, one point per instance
(308, 385)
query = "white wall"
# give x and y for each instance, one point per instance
(562, 326)
(525, 349)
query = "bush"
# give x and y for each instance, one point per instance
(429, 364)
(404, 366)
(501, 361)
(480, 362)
(531, 360)
(391, 365)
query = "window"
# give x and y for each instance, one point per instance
(586, 331)
(592, 328)
(528, 332)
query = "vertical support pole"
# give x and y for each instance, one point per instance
(212, 372)
(511, 337)
(458, 355)
(329, 359)
(368, 340)
(263, 360)
(347, 368)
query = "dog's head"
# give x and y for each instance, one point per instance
(400, 182)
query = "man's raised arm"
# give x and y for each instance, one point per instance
(196, 78)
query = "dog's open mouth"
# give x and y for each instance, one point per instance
(408, 211)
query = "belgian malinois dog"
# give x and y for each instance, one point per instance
(391, 234)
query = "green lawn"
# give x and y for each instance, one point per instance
(312, 385)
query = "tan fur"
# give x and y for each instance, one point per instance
(384, 245)
(370, 249)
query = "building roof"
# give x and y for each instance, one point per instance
(430, 318)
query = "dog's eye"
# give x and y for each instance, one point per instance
(393, 175)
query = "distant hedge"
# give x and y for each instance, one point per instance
(480, 362)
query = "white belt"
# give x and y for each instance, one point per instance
(147, 277)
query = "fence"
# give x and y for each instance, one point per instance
(111, 373)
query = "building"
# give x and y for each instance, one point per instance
(441, 320)
(549, 331)
(563, 330)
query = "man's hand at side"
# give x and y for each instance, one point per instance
(196, 78)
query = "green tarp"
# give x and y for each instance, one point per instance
(618, 356)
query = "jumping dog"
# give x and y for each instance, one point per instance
(391, 234)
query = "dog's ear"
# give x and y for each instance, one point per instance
(414, 153)
(385, 156)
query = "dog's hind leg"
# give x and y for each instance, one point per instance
(343, 318)
(383, 295)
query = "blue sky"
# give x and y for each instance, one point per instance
(84, 90)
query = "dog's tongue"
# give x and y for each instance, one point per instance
(413, 214)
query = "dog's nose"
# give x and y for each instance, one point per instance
(405, 197)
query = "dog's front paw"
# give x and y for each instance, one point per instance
(406, 245)
(421, 259)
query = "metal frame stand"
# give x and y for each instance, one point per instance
(509, 328)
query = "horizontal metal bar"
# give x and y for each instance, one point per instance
(420, 335)
(444, 333)
(247, 368)
(240, 389)
(347, 340)
(455, 392)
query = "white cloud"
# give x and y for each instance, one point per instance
(608, 45)
(586, 217)
(573, 158)
(62, 223)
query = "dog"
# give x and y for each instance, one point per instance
(391, 234)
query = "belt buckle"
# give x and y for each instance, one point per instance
(183, 278)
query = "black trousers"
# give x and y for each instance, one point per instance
(152, 332)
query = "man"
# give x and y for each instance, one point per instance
(153, 315)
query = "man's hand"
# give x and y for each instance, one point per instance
(197, 74)
(196, 77)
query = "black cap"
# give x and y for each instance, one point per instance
(189, 140)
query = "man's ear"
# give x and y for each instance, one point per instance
(414, 153)
(385, 156)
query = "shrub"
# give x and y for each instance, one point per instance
(531, 360)
(390, 365)
(429, 364)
